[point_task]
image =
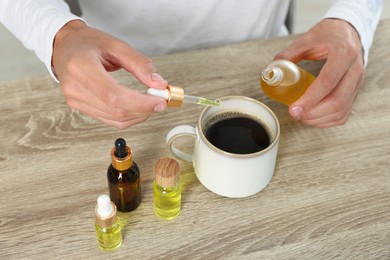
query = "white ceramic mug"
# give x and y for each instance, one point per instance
(225, 173)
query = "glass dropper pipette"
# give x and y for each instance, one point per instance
(201, 100)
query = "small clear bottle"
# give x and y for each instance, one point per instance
(108, 229)
(284, 81)
(167, 189)
(123, 177)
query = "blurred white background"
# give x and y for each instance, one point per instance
(18, 62)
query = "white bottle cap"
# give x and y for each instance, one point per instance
(104, 208)
(272, 75)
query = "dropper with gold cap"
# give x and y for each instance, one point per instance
(167, 188)
(175, 97)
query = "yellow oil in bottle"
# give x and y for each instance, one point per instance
(284, 81)
(167, 201)
(167, 189)
(107, 225)
(109, 238)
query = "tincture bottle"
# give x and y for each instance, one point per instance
(123, 178)
(167, 188)
(107, 224)
(284, 81)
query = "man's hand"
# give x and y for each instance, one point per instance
(82, 57)
(328, 101)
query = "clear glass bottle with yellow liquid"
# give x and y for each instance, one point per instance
(108, 229)
(167, 189)
(284, 81)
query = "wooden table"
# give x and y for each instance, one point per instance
(329, 198)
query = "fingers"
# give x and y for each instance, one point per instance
(137, 64)
(329, 102)
(329, 78)
(334, 109)
(329, 99)
(119, 108)
(106, 118)
(117, 116)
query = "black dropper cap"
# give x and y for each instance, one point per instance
(121, 155)
(120, 148)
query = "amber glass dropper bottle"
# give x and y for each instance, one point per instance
(107, 225)
(167, 188)
(284, 81)
(123, 178)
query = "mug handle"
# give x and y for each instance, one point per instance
(179, 132)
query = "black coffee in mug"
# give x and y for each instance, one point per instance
(237, 133)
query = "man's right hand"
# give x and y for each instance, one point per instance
(83, 56)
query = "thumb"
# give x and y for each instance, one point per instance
(296, 52)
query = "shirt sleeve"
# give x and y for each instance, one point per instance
(35, 23)
(364, 15)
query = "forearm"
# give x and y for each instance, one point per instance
(35, 23)
(363, 15)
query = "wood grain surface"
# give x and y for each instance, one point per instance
(329, 198)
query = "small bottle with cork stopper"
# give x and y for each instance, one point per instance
(167, 188)
(108, 230)
(123, 177)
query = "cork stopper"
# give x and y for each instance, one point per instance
(105, 212)
(121, 158)
(176, 96)
(167, 172)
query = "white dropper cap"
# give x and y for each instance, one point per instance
(162, 93)
(173, 95)
(104, 208)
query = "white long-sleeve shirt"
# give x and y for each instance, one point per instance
(163, 26)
